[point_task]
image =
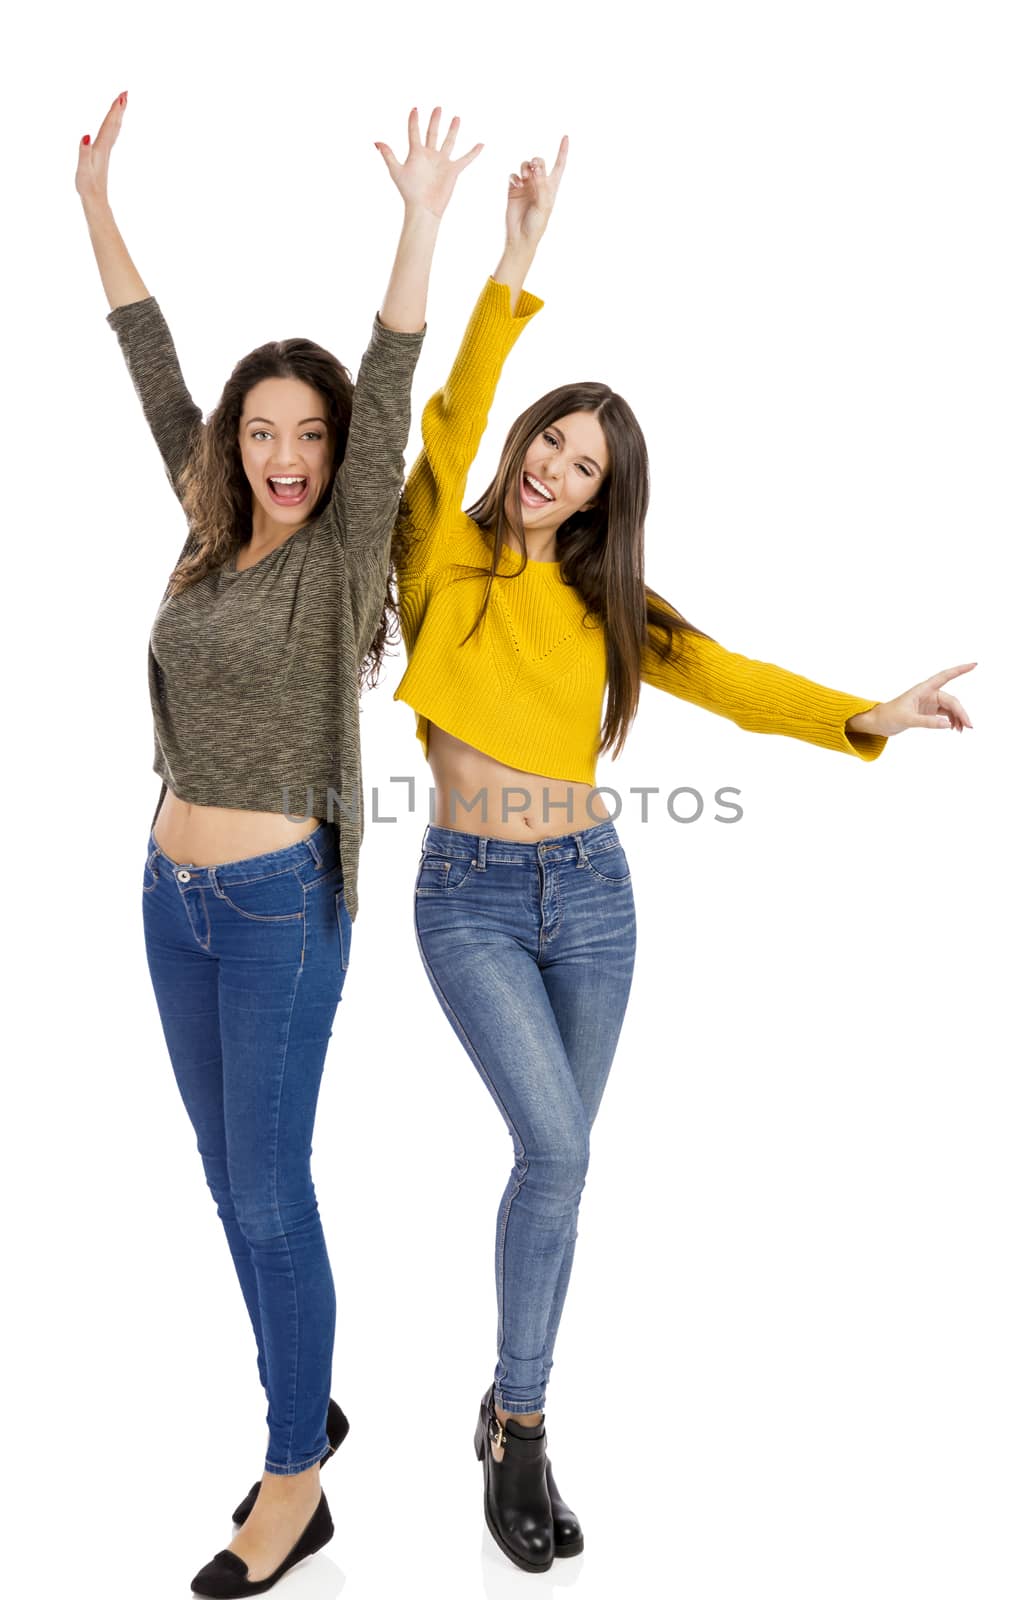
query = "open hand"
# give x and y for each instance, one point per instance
(94, 157)
(428, 176)
(925, 706)
(532, 193)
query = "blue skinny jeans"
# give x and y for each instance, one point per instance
(248, 961)
(530, 949)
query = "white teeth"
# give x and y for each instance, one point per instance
(287, 480)
(538, 488)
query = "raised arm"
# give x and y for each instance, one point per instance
(134, 315)
(369, 482)
(456, 416)
(531, 199)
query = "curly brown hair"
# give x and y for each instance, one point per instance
(217, 496)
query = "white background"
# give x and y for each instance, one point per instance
(787, 1364)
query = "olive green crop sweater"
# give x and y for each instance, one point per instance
(253, 675)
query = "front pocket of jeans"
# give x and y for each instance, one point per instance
(443, 874)
(279, 898)
(150, 876)
(610, 866)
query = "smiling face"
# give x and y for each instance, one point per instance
(286, 448)
(564, 470)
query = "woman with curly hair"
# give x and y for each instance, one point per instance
(277, 606)
(529, 630)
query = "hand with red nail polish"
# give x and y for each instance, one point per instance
(120, 277)
(94, 156)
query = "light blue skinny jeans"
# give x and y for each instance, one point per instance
(530, 949)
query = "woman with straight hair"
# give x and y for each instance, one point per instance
(278, 605)
(520, 615)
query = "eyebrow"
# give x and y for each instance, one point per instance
(595, 464)
(300, 424)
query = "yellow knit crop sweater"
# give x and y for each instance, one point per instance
(528, 688)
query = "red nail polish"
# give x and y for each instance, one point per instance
(87, 139)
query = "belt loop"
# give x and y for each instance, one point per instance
(316, 853)
(480, 861)
(581, 852)
(214, 881)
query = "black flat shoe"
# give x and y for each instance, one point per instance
(225, 1577)
(517, 1507)
(336, 1430)
(568, 1533)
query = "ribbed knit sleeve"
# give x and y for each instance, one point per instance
(367, 487)
(151, 358)
(456, 416)
(758, 696)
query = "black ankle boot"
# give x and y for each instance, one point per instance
(225, 1577)
(517, 1507)
(336, 1430)
(568, 1533)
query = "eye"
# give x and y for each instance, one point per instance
(549, 438)
(585, 470)
(260, 433)
(311, 435)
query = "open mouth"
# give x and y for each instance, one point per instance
(533, 492)
(288, 491)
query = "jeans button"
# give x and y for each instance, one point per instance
(183, 877)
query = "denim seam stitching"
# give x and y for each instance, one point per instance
(254, 916)
(206, 943)
(508, 855)
(262, 877)
(275, 1191)
(500, 1250)
(344, 950)
(323, 877)
(286, 1469)
(545, 939)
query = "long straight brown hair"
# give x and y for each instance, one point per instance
(600, 549)
(215, 491)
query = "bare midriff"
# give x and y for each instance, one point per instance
(209, 836)
(476, 794)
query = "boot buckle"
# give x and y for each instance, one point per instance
(496, 1432)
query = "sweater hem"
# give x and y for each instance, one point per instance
(493, 755)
